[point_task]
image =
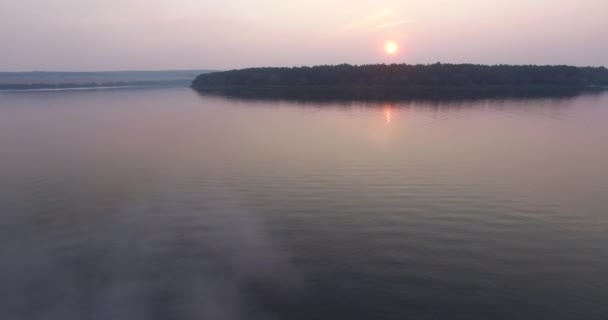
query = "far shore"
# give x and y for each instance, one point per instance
(404, 81)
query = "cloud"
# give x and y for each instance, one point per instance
(391, 24)
(383, 19)
(383, 13)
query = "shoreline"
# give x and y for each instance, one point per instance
(91, 88)
(405, 81)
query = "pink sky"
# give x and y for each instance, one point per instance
(80, 35)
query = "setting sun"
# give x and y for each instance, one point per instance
(391, 47)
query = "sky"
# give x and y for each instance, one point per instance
(91, 35)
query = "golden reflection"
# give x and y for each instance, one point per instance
(388, 112)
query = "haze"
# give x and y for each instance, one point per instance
(77, 35)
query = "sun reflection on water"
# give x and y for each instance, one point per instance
(388, 112)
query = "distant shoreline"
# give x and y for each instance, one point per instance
(404, 81)
(85, 87)
(18, 81)
(92, 88)
(75, 86)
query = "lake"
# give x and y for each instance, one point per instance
(170, 204)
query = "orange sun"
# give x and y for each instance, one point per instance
(391, 47)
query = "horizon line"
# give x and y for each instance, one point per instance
(296, 66)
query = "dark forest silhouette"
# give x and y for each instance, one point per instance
(405, 81)
(438, 74)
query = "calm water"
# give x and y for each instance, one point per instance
(165, 204)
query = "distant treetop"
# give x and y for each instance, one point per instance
(404, 75)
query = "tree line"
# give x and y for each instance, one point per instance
(404, 75)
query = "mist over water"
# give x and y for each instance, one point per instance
(167, 204)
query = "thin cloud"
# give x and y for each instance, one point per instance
(391, 24)
(383, 13)
(385, 18)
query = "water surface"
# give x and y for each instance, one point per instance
(167, 204)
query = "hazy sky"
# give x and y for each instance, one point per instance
(225, 34)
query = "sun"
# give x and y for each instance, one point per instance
(391, 47)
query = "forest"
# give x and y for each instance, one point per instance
(410, 76)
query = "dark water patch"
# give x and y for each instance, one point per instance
(329, 94)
